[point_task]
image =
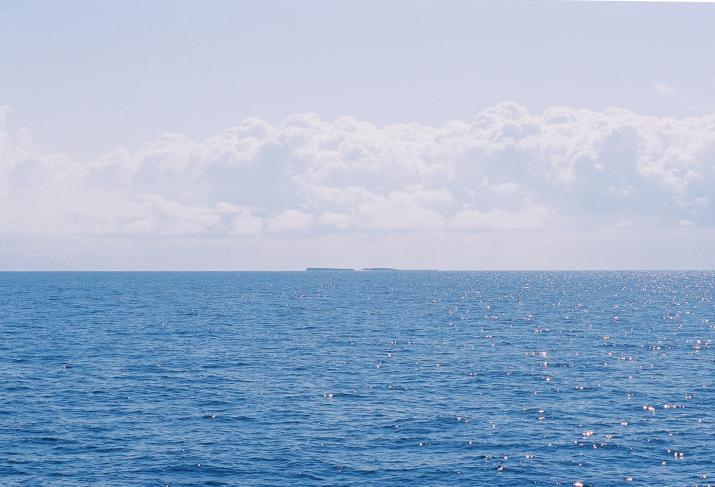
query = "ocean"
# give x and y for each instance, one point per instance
(357, 378)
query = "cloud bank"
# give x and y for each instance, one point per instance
(506, 170)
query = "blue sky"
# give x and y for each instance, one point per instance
(356, 133)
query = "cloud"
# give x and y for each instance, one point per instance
(662, 90)
(505, 170)
(531, 218)
(290, 221)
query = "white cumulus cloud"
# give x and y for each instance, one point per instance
(507, 169)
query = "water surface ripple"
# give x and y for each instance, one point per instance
(362, 378)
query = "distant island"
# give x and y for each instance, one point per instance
(311, 269)
(372, 269)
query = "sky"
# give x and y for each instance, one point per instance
(277, 135)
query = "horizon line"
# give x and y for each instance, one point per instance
(346, 270)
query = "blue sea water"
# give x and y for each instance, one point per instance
(357, 378)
